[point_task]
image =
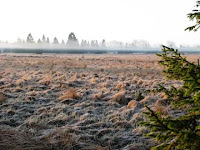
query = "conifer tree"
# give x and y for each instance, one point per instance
(55, 41)
(72, 40)
(195, 15)
(30, 38)
(180, 131)
(103, 43)
(39, 41)
(43, 39)
(48, 41)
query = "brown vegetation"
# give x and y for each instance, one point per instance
(120, 98)
(163, 109)
(2, 98)
(70, 102)
(133, 104)
(69, 94)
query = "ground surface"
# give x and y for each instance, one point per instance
(78, 101)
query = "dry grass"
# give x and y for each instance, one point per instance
(106, 82)
(132, 104)
(69, 94)
(135, 120)
(23, 79)
(98, 96)
(75, 77)
(146, 100)
(163, 110)
(13, 140)
(93, 81)
(141, 130)
(57, 140)
(120, 86)
(46, 80)
(17, 89)
(163, 95)
(2, 98)
(164, 102)
(139, 81)
(120, 98)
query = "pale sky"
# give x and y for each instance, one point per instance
(157, 21)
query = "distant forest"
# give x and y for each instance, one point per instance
(73, 45)
(73, 42)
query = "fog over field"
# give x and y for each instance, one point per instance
(73, 46)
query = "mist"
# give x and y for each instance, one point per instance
(44, 44)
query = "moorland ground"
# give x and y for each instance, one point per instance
(79, 101)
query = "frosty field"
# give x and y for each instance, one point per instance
(78, 101)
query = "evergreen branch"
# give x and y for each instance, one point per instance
(180, 131)
(158, 120)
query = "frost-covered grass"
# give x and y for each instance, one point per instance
(76, 101)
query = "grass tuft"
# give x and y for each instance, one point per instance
(69, 94)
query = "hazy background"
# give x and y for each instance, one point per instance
(156, 21)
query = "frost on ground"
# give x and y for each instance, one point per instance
(78, 101)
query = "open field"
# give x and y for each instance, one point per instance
(78, 101)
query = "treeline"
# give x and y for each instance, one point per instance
(72, 41)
